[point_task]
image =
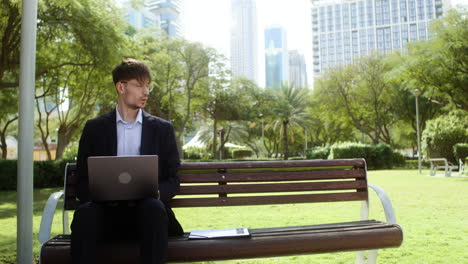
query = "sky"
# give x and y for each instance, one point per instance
(208, 21)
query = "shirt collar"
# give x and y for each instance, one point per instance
(139, 117)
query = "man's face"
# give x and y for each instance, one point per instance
(133, 93)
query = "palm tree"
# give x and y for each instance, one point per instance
(289, 110)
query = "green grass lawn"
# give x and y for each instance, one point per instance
(433, 212)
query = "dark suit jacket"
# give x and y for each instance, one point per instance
(99, 138)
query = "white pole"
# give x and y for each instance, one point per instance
(26, 133)
(417, 132)
(416, 94)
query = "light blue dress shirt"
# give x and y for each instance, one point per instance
(129, 135)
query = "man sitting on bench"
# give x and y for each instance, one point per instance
(127, 130)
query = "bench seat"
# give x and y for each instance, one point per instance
(264, 242)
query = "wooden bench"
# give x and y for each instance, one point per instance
(442, 163)
(219, 184)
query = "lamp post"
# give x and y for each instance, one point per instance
(416, 93)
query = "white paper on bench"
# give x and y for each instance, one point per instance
(219, 233)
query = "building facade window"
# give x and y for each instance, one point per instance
(413, 32)
(345, 16)
(362, 42)
(422, 30)
(421, 13)
(337, 17)
(354, 16)
(403, 11)
(396, 36)
(395, 14)
(386, 12)
(430, 9)
(412, 10)
(330, 18)
(370, 12)
(371, 38)
(362, 14)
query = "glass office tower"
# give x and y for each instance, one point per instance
(344, 30)
(276, 57)
(244, 39)
(168, 13)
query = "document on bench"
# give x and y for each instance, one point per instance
(220, 233)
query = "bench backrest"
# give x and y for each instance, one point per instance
(206, 184)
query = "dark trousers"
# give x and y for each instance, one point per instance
(144, 221)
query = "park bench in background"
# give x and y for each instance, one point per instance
(219, 184)
(442, 163)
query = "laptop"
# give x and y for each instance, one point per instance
(122, 178)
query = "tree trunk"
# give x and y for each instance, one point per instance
(285, 140)
(64, 137)
(3, 145)
(215, 132)
(221, 144)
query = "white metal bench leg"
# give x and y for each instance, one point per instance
(361, 258)
(66, 225)
(372, 257)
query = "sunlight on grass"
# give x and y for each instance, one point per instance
(433, 212)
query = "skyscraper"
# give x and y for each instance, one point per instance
(297, 69)
(276, 57)
(168, 12)
(244, 39)
(138, 17)
(344, 30)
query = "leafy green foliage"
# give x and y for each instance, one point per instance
(318, 153)
(442, 133)
(360, 96)
(379, 156)
(289, 110)
(460, 150)
(46, 174)
(241, 153)
(439, 66)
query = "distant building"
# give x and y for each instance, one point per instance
(297, 69)
(276, 57)
(139, 17)
(344, 30)
(168, 13)
(163, 14)
(244, 39)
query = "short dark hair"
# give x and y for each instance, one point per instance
(131, 69)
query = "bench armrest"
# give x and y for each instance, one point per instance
(386, 203)
(48, 216)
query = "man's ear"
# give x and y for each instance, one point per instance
(119, 87)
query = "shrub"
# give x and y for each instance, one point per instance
(379, 156)
(46, 173)
(318, 153)
(442, 133)
(195, 153)
(241, 153)
(460, 151)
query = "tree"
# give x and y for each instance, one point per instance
(362, 94)
(289, 110)
(89, 37)
(443, 133)
(439, 67)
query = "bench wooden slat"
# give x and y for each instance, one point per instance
(268, 199)
(357, 163)
(271, 176)
(272, 187)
